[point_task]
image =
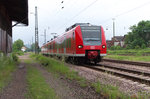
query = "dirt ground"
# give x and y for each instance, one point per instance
(64, 88)
(16, 89)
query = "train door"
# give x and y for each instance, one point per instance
(74, 45)
(52, 48)
(64, 44)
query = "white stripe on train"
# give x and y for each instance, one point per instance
(77, 55)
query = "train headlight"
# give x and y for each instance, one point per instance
(80, 46)
(103, 46)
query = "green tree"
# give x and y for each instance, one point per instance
(17, 45)
(139, 35)
(33, 47)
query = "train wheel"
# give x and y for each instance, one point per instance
(95, 63)
(87, 62)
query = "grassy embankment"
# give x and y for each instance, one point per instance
(58, 68)
(7, 66)
(131, 55)
(37, 86)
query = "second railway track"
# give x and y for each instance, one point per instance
(145, 64)
(127, 73)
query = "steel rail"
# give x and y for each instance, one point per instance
(145, 73)
(138, 78)
(146, 64)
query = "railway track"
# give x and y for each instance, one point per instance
(127, 73)
(146, 64)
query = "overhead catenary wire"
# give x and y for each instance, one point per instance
(63, 3)
(84, 9)
(64, 7)
(61, 7)
(126, 12)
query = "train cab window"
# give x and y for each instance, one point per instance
(91, 35)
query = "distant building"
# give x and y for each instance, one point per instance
(116, 41)
(23, 48)
(11, 10)
(109, 43)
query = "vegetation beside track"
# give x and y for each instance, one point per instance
(7, 66)
(109, 91)
(59, 68)
(130, 54)
(37, 86)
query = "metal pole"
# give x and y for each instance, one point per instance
(32, 44)
(36, 32)
(113, 27)
(113, 31)
(45, 35)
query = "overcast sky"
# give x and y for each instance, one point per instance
(54, 19)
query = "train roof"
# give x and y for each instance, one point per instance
(76, 24)
(69, 28)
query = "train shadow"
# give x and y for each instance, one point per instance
(86, 64)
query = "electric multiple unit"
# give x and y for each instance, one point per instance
(81, 42)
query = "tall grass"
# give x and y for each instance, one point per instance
(7, 66)
(131, 55)
(130, 58)
(109, 91)
(55, 66)
(130, 52)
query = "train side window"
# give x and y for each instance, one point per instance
(49, 47)
(73, 35)
(67, 43)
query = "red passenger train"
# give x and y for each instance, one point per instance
(82, 42)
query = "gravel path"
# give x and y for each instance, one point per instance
(17, 87)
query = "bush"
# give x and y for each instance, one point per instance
(116, 48)
(43, 60)
(7, 66)
(128, 47)
(137, 47)
(14, 57)
(20, 53)
(143, 46)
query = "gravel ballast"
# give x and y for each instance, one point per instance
(124, 85)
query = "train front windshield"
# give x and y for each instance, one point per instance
(91, 35)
